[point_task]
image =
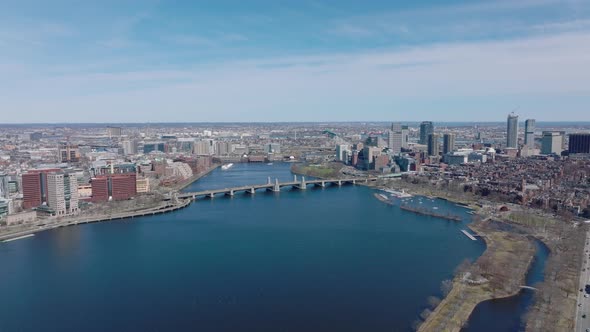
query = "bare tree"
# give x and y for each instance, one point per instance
(433, 301)
(446, 287)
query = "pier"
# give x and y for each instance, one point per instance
(469, 235)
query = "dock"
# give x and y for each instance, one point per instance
(468, 235)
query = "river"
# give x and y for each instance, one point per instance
(317, 260)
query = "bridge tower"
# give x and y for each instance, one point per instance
(294, 177)
(276, 188)
(269, 182)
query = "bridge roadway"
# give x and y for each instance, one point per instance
(276, 186)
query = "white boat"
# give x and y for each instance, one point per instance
(226, 167)
(269, 164)
(398, 194)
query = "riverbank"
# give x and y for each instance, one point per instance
(498, 273)
(193, 178)
(81, 219)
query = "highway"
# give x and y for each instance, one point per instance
(583, 324)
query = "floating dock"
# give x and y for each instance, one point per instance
(468, 235)
(18, 238)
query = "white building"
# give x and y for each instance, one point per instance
(62, 193)
(552, 142)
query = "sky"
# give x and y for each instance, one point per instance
(300, 60)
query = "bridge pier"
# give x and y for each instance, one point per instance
(302, 185)
(277, 187)
(353, 181)
(252, 191)
(211, 195)
(230, 193)
(339, 183)
(321, 184)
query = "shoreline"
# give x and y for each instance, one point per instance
(458, 306)
(193, 178)
(161, 209)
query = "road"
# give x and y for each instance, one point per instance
(583, 324)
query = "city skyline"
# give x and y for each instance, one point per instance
(304, 61)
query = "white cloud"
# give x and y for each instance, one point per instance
(552, 68)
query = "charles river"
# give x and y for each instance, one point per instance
(331, 259)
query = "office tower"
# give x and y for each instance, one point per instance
(433, 145)
(448, 143)
(395, 138)
(552, 142)
(154, 146)
(34, 185)
(201, 148)
(579, 143)
(4, 187)
(405, 136)
(113, 132)
(62, 193)
(129, 147)
(272, 148)
(342, 152)
(68, 153)
(512, 131)
(529, 132)
(426, 128)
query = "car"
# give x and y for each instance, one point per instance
(586, 295)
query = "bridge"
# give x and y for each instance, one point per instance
(300, 184)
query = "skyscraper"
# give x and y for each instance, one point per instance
(4, 189)
(129, 147)
(579, 143)
(395, 138)
(426, 128)
(114, 132)
(529, 132)
(433, 147)
(552, 142)
(512, 131)
(62, 193)
(448, 143)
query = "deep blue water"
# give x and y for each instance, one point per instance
(332, 259)
(506, 314)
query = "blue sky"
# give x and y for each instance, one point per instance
(151, 61)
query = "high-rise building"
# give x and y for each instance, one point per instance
(433, 148)
(202, 148)
(395, 138)
(342, 152)
(34, 186)
(114, 132)
(154, 146)
(4, 187)
(223, 148)
(448, 143)
(405, 136)
(512, 131)
(129, 147)
(62, 193)
(529, 132)
(426, 128)
(68, 153)
(552, 142)
(579, 143)
(272, 148)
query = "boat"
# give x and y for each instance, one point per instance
(398, 194)
(269, 164)
(227, 166)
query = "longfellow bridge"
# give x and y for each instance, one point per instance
(275, 187)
